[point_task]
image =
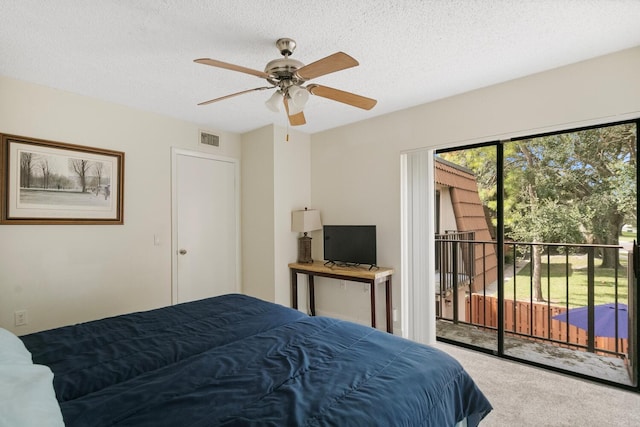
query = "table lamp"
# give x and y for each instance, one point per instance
(303, 222)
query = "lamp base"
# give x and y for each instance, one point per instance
(304, 250)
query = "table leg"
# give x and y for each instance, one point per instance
(372, 289)
(312, 296)
(294, 289)
(387, 289)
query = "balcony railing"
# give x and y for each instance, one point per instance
(568, 278)
(455, 258)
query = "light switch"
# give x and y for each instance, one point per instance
(156, 240)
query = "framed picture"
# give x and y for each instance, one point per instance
(46, 182)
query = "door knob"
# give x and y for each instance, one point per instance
(182, 251)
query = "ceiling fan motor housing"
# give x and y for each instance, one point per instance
(284, 70)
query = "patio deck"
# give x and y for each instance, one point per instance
(610, 369)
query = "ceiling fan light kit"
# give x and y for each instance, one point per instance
(288, 75)
(273, 103)
(298, 97)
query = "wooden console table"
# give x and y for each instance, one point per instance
(350, 273)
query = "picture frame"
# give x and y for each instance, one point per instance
(48, 182)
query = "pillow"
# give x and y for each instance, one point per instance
(27, 398)
(12, 349)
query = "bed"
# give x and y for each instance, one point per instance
(235, 360)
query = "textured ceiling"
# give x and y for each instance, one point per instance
(140, 52)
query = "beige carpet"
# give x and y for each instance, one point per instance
(522, 395)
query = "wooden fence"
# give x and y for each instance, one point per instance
(532, 319)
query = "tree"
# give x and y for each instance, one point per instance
(566, 188)
(27, 164)
(538, 212)
(596, 171)
(98, 168)
(43, 165)
(605, 167)
(80, 167)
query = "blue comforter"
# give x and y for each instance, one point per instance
(238, 361)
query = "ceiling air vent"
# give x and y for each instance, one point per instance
(209, 139)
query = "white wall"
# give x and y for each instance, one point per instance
(258, 258)
(293, 192)
(73, 273)
(447, 216)
(67, 274)
(355, 170)
(275, 181)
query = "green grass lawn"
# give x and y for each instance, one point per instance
(557, 277)
(627, 237)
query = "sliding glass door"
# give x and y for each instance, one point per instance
(534, 243)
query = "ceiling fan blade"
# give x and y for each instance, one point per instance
(235, 94)
(332, 63)
(295, 119)
(232, 67)
(342, 96)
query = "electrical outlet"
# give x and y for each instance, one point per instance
(395, 314)
(20, 317)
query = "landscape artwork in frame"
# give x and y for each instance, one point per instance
(46, 182)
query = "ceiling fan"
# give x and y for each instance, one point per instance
(288, 76)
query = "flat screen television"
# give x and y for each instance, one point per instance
(350, 244)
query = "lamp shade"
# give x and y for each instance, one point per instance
(273, 103)
(305, 221)
(299, 97)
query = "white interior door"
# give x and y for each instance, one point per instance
(205, 225)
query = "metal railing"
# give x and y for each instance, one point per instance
(524, 316)
(455, 258)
